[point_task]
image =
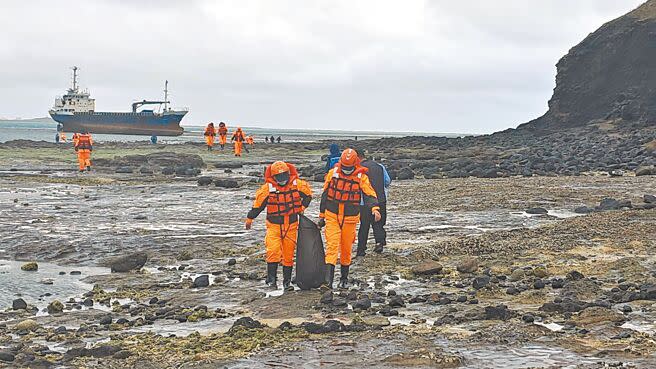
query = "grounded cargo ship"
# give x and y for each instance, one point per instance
(75, 111)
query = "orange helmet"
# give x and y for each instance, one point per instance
(348, 161)
(280, 172)
(349, 158)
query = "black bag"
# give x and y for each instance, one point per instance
(310, 258)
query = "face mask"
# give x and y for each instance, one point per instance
(282, 179)
(348, 170)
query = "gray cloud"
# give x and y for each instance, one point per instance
(441, 66)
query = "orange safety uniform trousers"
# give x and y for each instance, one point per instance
(280, 242)
(209, 140)
(238, 147)
(223, 139)
(84, 158)
(340, 236)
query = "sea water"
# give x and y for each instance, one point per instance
(45, 130)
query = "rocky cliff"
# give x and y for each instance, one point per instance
(608, 79)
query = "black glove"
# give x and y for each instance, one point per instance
(321, 223)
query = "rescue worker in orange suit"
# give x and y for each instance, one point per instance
(346, 184)
(284, 196)
(209, 134)
(238, 137)
(223, 135)
(83, 147)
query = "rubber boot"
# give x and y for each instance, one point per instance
(287, 278)
(361, 251)
(343, 278)
(272, 278)
(379, 248)
(330, 276)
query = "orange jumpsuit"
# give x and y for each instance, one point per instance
(283, 204)
(83, 147)
(223, 135)
(340, 207)
(239, 138)
(209, 134)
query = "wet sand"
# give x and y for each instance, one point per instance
(506, 294)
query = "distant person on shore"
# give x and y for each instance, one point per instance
(285, 196)
(278, 139)
(250, 141)
(209, 134)
(380, 181)
(223, 135)
(272, 139)
(344, 187)
(333, 157)
(238, 138)
(266, 139)
(62, 136)
(84, 147)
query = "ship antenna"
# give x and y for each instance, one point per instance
(166, 95)
(75, 79)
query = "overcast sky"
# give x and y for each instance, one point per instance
(473, 66)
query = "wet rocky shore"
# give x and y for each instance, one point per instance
(144, 262)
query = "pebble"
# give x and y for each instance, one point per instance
(538, 284)
(469, 265)
(232, 262)
(528, 318)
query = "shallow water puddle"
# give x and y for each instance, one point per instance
(15, 283)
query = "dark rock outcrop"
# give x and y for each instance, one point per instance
(608, 78)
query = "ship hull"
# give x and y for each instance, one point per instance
(142, 123)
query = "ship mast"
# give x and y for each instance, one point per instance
(166, 95)
(74, 89)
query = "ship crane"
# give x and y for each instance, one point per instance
(138, 104)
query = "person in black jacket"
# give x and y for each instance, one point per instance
(380, 181)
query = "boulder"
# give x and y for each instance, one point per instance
(480, 281)
(245, 322)
(517, 275)
(201, 281)
(583, 210)
(6, 356)
(500, 312)
(362, 304)
(19, 304)
(396, 301)
(326, 298)
(30, 267)
(204, 181)
(645, 171)
(130, 262)
(468, 265)
(537, 211)
(26, 325)
(226, 183)
(55, 307)
(598, 315)
(405, 173)
(649, 199)
(427, 268)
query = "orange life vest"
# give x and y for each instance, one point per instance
(345, 190)
(283, 201)
(223, 131)
(83, 142)
(209, 131)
